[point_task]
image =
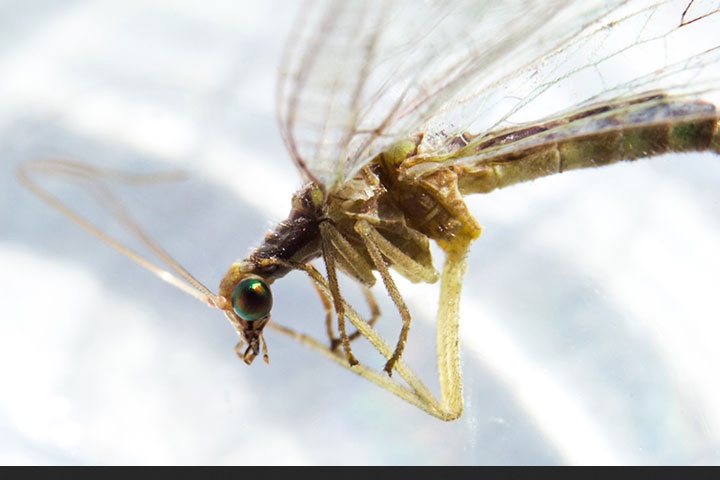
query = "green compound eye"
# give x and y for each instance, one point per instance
(251, 299)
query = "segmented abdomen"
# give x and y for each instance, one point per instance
(597, 136)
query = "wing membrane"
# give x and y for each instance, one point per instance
(361, 75)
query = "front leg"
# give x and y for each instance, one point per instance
(336, 341)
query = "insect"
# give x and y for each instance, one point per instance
(393, 113)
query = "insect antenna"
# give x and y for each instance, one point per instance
(95, 181)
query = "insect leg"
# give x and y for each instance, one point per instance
(369, 236)
(374, 311)
(413, 391)
(448, 341)
(335, 291)
(327, 305)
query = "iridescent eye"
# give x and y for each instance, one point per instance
(251, 299)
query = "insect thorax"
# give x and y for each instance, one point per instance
(431, 202)
(407, 212)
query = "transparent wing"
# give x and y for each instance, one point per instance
(358, 76)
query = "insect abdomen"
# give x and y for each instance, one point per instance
(615, 135)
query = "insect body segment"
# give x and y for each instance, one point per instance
(596, 136)
(431, 204)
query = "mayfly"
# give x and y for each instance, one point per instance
(394, 111)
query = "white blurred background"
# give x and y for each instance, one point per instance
(589, 324)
